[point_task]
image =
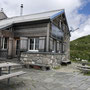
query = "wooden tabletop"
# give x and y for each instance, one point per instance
(7, 64)
(88, 67)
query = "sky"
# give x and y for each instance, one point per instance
(77, 12)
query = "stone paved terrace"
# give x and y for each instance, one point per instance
(66, 78)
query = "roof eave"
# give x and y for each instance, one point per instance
(36, 20)
(8, 26)
(27, 21)
(57, 14)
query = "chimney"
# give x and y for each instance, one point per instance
(21, 12)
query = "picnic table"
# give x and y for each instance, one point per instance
(84, 69)
(9, 65)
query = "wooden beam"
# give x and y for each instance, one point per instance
(10, 45)
(47, 38)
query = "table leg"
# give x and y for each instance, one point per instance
(8, 81)
(9, 70)
(0, 71)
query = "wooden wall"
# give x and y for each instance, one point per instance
(31, 30)
(7, 33)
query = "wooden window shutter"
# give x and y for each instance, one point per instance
(42, 44)
(23, 43)
(57, 46)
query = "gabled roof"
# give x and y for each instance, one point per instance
(32, 17)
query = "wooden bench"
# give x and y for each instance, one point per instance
(84, 70)
(39, 66)
(65, 62)
(8, 76)
(85, 67)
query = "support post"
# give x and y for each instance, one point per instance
(47, 38)
(0, 42)
(10, 47)
(9, 69)
(0, 71)
(62, 46)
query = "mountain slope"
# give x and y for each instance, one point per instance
(80, 48)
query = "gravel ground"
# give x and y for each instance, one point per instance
(65, 78)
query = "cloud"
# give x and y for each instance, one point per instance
(12, 8)
(84, 29)
(30, 6)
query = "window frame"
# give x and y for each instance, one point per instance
(3, 43)
(54, 46)
(34, 45)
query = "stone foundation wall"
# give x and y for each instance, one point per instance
(42, 58)
(3, 53)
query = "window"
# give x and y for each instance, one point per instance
(36, 43)
(58, 46)
(51, 44)
(54, 46)
(4, 42)
(33, 44)
(62, 45)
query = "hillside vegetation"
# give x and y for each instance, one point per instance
(80, 48)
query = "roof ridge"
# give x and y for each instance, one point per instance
(46, 11)
(37, 13)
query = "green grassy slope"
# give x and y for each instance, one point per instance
(80, 48)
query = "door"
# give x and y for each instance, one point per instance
(17, 47)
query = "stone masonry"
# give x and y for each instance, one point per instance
(50, 59)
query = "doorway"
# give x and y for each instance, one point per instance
(17, 47)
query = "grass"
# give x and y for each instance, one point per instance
(56, 68)
(87, 74)
(80, 49)
(75, 61)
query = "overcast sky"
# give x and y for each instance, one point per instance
(77, 11)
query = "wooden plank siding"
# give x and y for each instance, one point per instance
(48, 37)
(7, 33)
(31, 31)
